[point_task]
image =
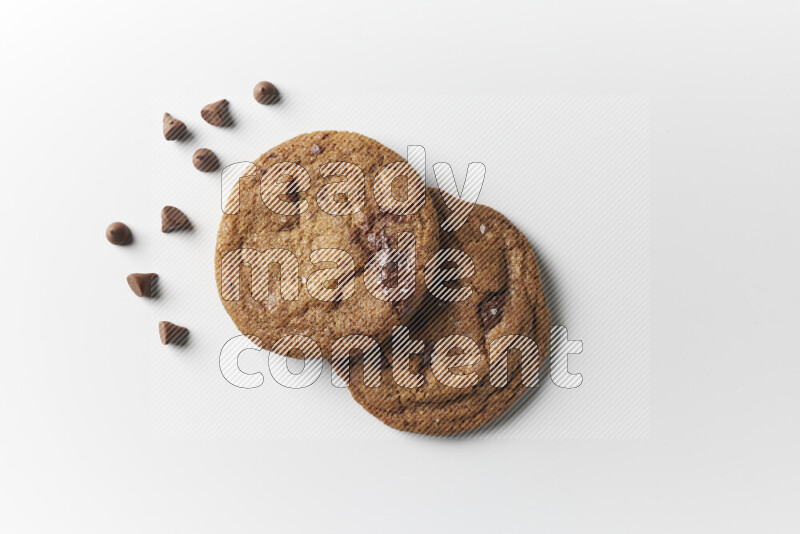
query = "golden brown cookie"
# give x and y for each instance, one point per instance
(505, 299)
(306, 249)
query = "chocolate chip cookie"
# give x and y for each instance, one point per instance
(324, 237)
(460, 363)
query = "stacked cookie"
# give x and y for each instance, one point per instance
(331, 246)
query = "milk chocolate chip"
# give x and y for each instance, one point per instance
(265, 93)
(142, 283)
(173, 128)
(205, 160)
(118, 233)
(171, 333)
(216, 114)
(173, 219)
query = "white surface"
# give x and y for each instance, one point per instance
(78, 450)
(571, 171)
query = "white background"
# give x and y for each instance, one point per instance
(78, 451)
(571, 171)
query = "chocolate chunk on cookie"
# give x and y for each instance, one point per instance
(310, 247)
(490, 309)
(457, 388)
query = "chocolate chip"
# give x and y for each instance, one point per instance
(205, 160)
(418, 362)
(172, 333)
(379, 239)
(316, 150)
(142, 283)
(118, 233)
(293, 192)
(490, 310)
(216, 113)
(355, 235)
(173, 128)
(401, 308)
(391, 275)
(173, 219)
(265, 93)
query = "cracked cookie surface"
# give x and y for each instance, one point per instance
(506, 298)
(362, 234)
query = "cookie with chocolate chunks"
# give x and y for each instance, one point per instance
(312, 198)
(505, 299)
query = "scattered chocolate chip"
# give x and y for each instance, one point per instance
(173, 128)
(216, 114)
(142, 283)
(490, 310)
(118, 233)
(173, 219)
(205, 160)
(265, 93)
(316, 150)
(172, 333)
